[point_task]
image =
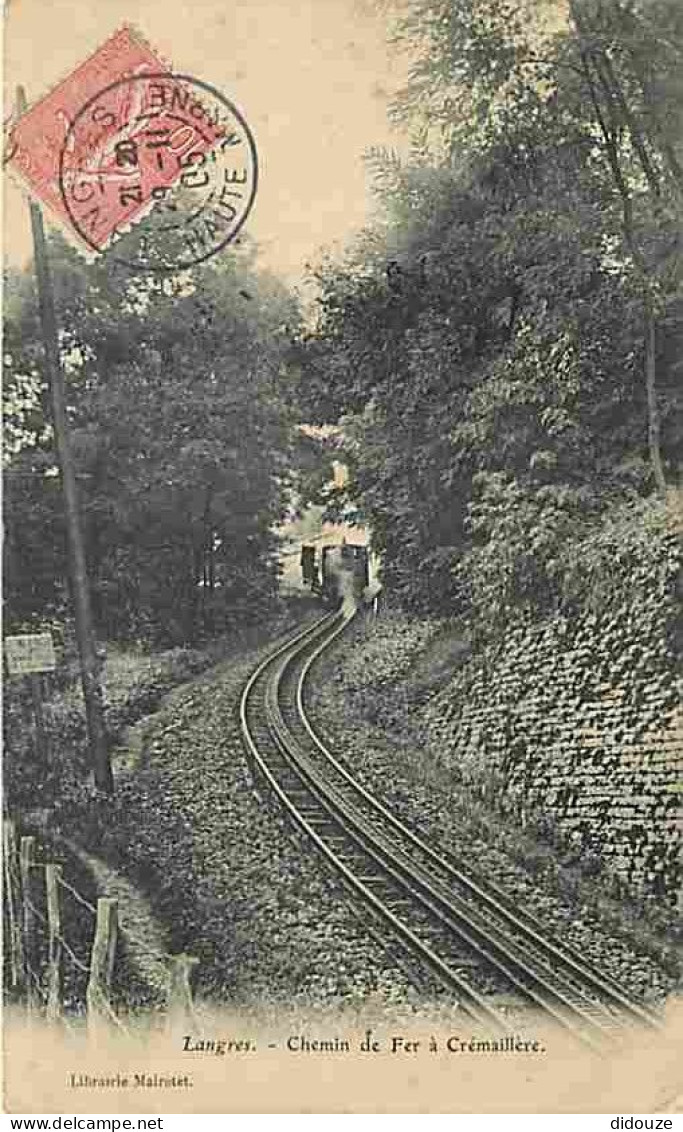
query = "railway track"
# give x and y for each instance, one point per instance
(440, 918)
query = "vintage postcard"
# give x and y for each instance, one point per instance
(343, 425)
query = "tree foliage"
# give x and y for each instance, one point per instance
(491, 346)
(181, 442)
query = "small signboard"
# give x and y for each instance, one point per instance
(30, 652)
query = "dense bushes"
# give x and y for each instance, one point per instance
(134, 686)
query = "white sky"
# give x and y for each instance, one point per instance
(313, 78)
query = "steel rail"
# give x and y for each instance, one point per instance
(418, 891)
(471, 1001)
(588, 976)
(555, 993)
(460, 920)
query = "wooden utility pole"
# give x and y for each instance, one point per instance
(36, 682)
(85, 636)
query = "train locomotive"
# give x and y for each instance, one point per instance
(344, 571)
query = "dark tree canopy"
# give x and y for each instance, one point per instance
(181, 442)
(501, 349)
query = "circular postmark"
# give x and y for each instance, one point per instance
(159, 169)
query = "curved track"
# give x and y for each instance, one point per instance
(465, 935)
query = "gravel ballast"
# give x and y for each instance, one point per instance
(366, 679)
(239, 889)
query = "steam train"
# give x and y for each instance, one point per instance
(343, 571)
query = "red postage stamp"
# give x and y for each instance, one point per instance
(125, 140)
(39, 136)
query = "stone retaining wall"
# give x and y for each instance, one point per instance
(577, 722)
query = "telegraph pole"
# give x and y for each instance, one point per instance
(85, 636)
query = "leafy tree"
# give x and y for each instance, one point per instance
(482, 347)
(608, 83)
(180, 440)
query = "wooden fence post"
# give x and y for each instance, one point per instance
(102, 961)
(179, 1003)
(54, 958)
(12, 901)
(27, 849)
